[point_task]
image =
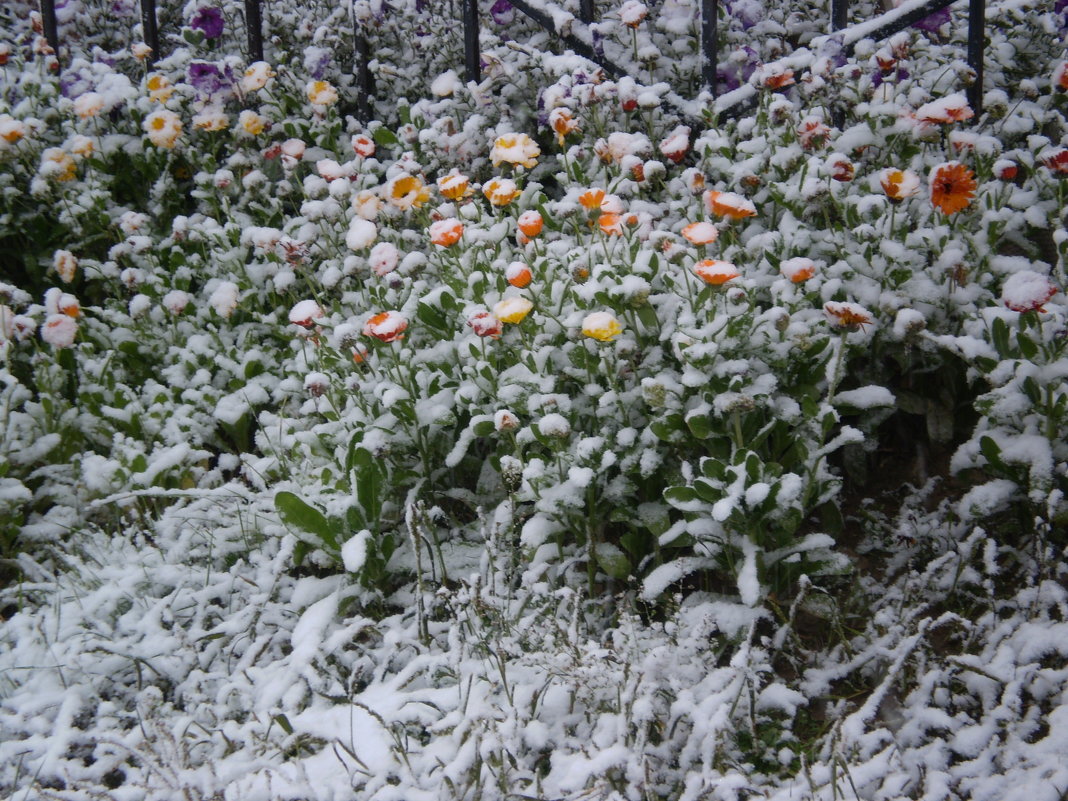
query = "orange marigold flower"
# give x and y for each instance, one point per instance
(952, 187)
(561, 121)
(812, 132)
(386, 326)
(777, 78)
(1060, 76)
(953, 108)
(455, 186)
(446, 233)
(518, 274)
(728, 204)
(530, 223)
(591, 199)
(1056, 161)
(363, 146)
(798, 269)
(485, 324)
(899, 184)
(847, 316)
(701, 233)
(715, 272)
(840, 168)
(406, 191)
(501, 191)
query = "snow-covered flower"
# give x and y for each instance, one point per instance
(305, 313)
(847, 316)
(512, 309)
(446, 233)
(89, 104)
(159, 88)
(1005, 170)
(602, 326)
(57, 164)
(632, 12)
(504, 420)
(383, 258)
(56, 301)
(59, 331)
(840, 168)
(1026, 291)
(251, 122)
(321, 93)
(729, 205)
(455, 186)
(406, 191)
(899, 184)
(176, 301)
(485, 324)
(1056, 161)
(952, 187)
(140, 51)
(163, 128)
(363, 146)
(386, 326)
(530, 223)
(501, 191)
(224, 299)
(773, 76)
(256, 76)
(715, 271)
(516, 149)
(80, 145)
(700, 233)
(209, 21)
(12, 130)
(65, 265)
(211, 118)
(562, 123)
(1059, 79)
(953, 108)
(555, 425)
(361, 234)
(367, 204)
(676, 144)
(518, 274)
(798, 270)
(812, 132)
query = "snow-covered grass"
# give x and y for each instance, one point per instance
(532, 440)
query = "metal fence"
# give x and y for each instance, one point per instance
(580, 38)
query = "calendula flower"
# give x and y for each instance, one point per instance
(485, 324)
(251, 122)
(601, 326)
(701, 233)
(512, 310)
(446, 233)
(89, 104)
(729, 205)
(1005, 170)
(11, 130)
(256, 76)
(515, 149)
(56, 301)
(81, 146)
(812, 133)
(59, 331)
(1059, 79)
(1056, 161)
(715, 272)
(591, 199)
(387, 326)
(159, 88)
(57, 164)
(363, 146)
(140, 50)
(899, 184)
(840, 168)
(632, 13)
(65, 265)
(775, 77)
(501, 191)
(305, 313)
(406, 191)
(952, 187)
(677, 143)
(455, 186)
(212, 118)
(321, 93)
(518, 274)
(847, 316)
(384, 258)
(561, 121)
(953, 108)
(798, 270)
(163, 128)
(367, 204)
(1026, 291)
(530, 223)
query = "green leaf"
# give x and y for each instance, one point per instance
(300, 515)
(680, 495)
(283, 721)
(1027, 345)
(612, 560)
(991, 451)
(385, 137)
(714, 468)
(999, 331)
(483, 428)
(700, 426)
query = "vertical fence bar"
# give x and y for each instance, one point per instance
(586, 11)
(364, 86)
(709, 43)
(839, 14)
(976, 41)
(471, 53)
(254, 23)
(51, 28)
(150, 29)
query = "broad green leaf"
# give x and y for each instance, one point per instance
(300, 515)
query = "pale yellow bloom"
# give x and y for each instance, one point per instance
(515, 149)
(252, 122)
(601, 326)
(501, 191)
(406, 191)
(163, 128)
(512, 310)
(256, 76)
(321, 93)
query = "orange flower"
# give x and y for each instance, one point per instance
(840, 168)
(1056, 161)
(952, 187)
(454, 186)
(446, 233)
(530, 223)
(485, 324)
(562, 123)
(363, 146)
(501, 191)
(950, 109)
(406, 191)
(728, 204)
(847, 316)
(701, 233)
(777, 78)
(518, 274)
(798, 270)
(386, 326)
(1060, 76)
(812, 133)
(591, 199)
(899, 184)
(715, 272)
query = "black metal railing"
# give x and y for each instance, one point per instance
(581, 40)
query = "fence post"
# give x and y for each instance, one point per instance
(254, 24)
(51, 28)
(976, 40)
(839, 14)
(150, 29)
(586, 11)
(709, 43)
(364, 87)
(471, 52)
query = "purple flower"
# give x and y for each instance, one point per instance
(933, 22)
(1061, 8)
(209, 21)
(206, 78)
(503, 13)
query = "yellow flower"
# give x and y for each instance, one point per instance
(163, 128)
(80, 145)
(252, 122)
(256, 76)
(501, 191)
(512, 310)
(57, 163)
(454, 186)
(321, 93)
(406, 191)
(601, 326)
(11, 130)
(88, 105)
(212, 118)
(516, 149)
(159, 88)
